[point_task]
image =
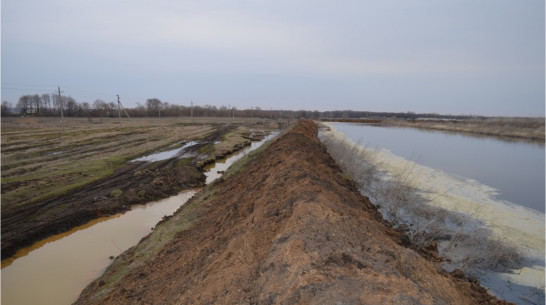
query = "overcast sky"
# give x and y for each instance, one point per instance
(445, 56)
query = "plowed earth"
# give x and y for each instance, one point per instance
(131, 183)
(286, 228)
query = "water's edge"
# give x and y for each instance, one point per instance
(55, 270)
(515, 224)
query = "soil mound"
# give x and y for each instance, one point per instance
(288, 228)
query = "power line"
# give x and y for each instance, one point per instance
(24, 89)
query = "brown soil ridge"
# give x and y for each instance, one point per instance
(289, 228)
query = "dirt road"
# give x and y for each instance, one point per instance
(284, 226)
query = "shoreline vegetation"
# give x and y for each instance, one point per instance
(466, 241)
(520, 128)
(400, 203)
(531, 129)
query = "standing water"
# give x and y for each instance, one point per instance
(55, 270)
(500, 183)
(514, 169)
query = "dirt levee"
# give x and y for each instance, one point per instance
(286, 228)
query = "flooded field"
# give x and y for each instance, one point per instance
(514, 169)
(54, 179)
(469, 175)
(55, 270)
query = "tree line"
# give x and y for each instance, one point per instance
(51, 105)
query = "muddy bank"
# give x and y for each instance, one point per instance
(284, 226)
(134, 183)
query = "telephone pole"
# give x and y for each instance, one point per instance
(61, 104)
(119, 107)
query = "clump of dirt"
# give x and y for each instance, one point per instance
(289, 228)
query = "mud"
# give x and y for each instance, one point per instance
(135, 183)
(286, 226)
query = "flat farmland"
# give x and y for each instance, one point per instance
(56, 175)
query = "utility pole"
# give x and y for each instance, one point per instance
(119, 107)
(61, 103)
(191, 111)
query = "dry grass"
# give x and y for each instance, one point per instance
(468, 244)
(504, 127)
(44, 157)
(487, 253)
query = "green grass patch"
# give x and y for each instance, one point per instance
(206, 149)
(66, 178)
(184, 161)
(116, 193)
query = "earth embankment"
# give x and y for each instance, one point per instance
(284, 226)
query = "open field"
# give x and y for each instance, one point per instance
(283, 226)
(516, 128)
(56, 176)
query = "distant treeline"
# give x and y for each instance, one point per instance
(50, 105)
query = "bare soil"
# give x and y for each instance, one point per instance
(284, 226)
(36, 202)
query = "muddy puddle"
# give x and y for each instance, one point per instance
(215, 170)
(55, 270)
(164, 155)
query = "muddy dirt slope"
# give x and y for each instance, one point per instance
(287, 227)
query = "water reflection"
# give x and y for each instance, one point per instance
(55, 270)
(515, 169)
(466, 134)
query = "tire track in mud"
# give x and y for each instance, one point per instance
(135, 183)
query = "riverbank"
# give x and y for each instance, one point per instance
(531, 129)
(493, 240)
(56, 177)
(282, 226)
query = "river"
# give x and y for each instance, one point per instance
(55, 270)
(514, 169)
(498, 182)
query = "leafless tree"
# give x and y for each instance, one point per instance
(6, 106)
(153, 106)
